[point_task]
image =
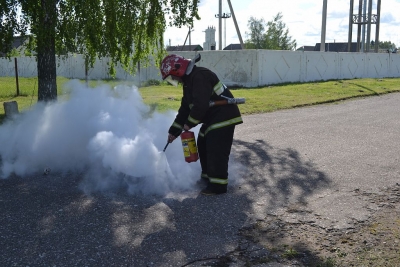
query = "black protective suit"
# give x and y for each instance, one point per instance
(218, 123)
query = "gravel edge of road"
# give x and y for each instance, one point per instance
(275, 242)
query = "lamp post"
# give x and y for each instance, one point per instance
(220, 17)
(223, 16)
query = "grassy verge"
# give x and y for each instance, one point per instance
(285, 96)
(28, 91)
(258, 100)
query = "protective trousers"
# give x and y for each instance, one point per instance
(214, 149)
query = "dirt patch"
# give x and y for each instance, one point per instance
(276, 242)
(371, 243)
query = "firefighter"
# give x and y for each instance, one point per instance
(214, 142)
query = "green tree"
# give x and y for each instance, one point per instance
(386, 45)
(13, 53)
(277, 36)
(271, 35)
(256, 35)
(123, 30)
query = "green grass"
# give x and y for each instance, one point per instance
(258, 100)
(27, 92)
(285, 96)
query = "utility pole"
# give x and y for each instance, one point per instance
(369, 25)
(225, 16)
(236, 25)
(221, 16)
(364, 19)
(220, 25)
(363, 26)
(190, 36)
(378, 22)
(360, 16)
(350, 26)
(323, 28)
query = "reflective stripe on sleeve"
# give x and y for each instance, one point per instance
(219, 88)
(194, 121)
(177, 125)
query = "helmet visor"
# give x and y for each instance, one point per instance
(171, 80)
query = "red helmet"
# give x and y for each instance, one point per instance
(174, 65)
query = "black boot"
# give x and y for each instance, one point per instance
(214, 189)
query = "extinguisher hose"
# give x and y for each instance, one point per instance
(170, 142)
(227, 101)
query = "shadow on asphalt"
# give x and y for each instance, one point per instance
(283, 175)
(47, 220)
(278, 180)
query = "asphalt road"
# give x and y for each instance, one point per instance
(315, 159)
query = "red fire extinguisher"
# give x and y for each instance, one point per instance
(189, 146)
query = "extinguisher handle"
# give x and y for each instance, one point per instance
(186, 128)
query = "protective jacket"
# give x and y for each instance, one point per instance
(199, 88)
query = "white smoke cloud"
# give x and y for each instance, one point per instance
(107, 136)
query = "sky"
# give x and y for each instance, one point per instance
(303, 18)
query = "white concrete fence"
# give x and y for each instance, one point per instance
(244, 68)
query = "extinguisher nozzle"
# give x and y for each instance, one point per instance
(165, 147)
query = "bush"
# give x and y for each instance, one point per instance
(151, 82)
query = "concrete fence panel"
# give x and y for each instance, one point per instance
(394, 65)
(244, 68)
(27, 67)
(321, 66)
(352, 65)
(234, 68)
(377, 65)
(72, 67)
(7, 67)
(279, 67)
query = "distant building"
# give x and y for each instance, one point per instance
(210, 43)
(306, 48)
(336, 47)
(233, 47)
(184, 48)
(18, 43)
